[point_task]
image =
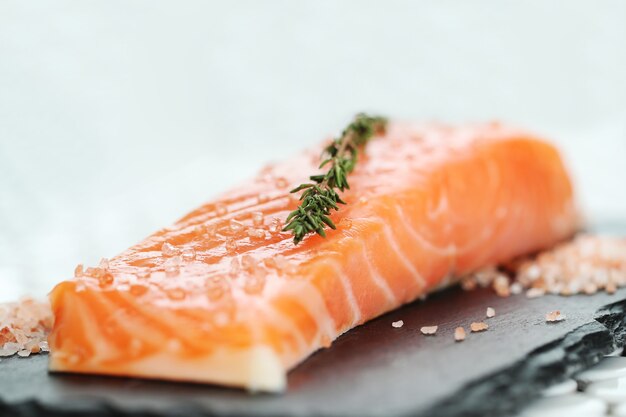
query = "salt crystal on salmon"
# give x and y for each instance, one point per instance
(224, 296)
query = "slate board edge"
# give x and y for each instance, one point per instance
(517, 385)
(513, 386)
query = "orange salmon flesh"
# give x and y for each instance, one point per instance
(223, 296)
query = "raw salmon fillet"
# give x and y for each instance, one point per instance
(223, 296)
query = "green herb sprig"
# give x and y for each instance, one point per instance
(320, 196)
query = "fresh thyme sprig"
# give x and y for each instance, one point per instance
(321, 196)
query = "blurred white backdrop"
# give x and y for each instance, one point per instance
(116, 117)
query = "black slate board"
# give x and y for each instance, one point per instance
(374, 370)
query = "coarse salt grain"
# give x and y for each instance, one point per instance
(23, 353)
(188, 255)
(478, 327)
(501, 285)
(281, 182)
(236, 226)
(176, 294)
(257, 218)
(104, 263)
(516, 288)
(231, 245)
(468, 283)
(275, 226)
(429, 330)
(535, 292)
(221, 209)
(459, 334)
(555, 316)
(167, 249)
(490, 312)
(485, 276)
(397, 324)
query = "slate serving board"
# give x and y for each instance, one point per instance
(373, 370)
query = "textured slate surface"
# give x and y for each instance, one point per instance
(374, 370)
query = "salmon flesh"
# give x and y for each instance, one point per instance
(224, 296)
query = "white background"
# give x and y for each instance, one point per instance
(117, 117)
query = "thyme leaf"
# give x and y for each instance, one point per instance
(321, 196)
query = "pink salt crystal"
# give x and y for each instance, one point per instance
(535, 292)
(485, 276)
(235, 226)
(490, 312)
(104, 263)
(20, 336)
(468, 283)
(345, 223)
(231, 245)
(555, 316)
(459, 334)
(5, 351)
(533, 272)
(257, 218)
(290, 269)
(78, 271)
(33, 347)
(209, 230)
(235, 267)
(429, 330)
(270, 263)
(590, 288)
(501, 285)
(221, 209)
(610, 288)
(275, 226)
(105, 279)
(188, 255)
(169, 250)
(478, 327)
(23, 353)
(254, 284)
(216, 287)
(6, 334)
(281, 182)
(516, 288)
(176, 294)
(94, 272)
(138, 290)
(172, 270)
(248, 262)
(280, 261)
(143, 273)
(256, 233)
(397, 324)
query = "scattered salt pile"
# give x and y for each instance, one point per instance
(24, 327)
(584, 265)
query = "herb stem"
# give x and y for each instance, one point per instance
(320, 197)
